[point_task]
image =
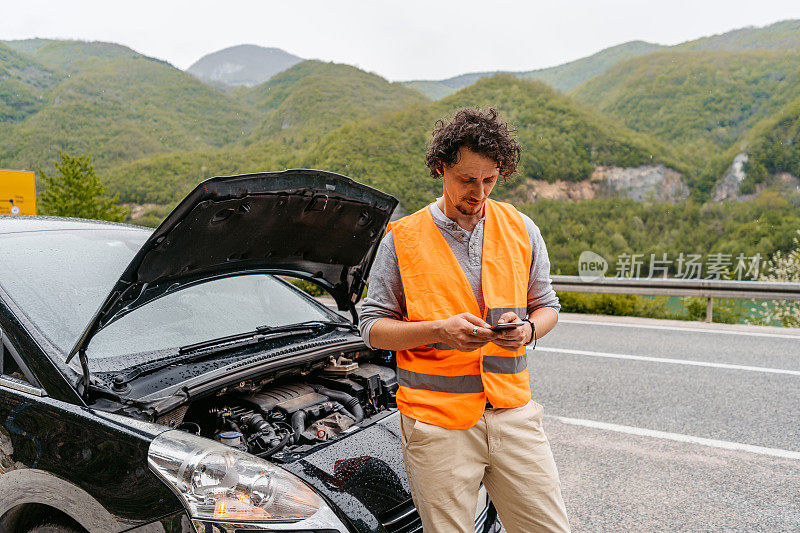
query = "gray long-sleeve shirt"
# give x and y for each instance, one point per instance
(385, 296)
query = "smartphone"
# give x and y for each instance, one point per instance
(508, 325)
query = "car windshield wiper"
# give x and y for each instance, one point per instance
(197, 351)
(263, 332)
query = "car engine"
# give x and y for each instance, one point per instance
(294, 413)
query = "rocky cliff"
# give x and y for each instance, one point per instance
(728, 186)
(647, 182)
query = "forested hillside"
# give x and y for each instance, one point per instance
(27, 46)
(23, 83)
(291, 113)
(563, 77)
(110, 101)
(72, 56)
(783, 35)
(569, 75)
(561, 141)
(313, 97)
(679, 113)
(701, 101)
(773, 146)
(122, 108)
(611, 227)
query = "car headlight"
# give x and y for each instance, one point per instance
(220, 483)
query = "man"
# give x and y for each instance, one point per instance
(441, 279)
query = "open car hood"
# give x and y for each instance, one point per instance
(310, 224)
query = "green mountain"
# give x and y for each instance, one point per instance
(704, 96)
(69, 56)
(27, 46)
(72, 56)
(23, 84)
(773, 146)
(119, 106)
(561, 141)
(165, 178)
(155, 131)
(438, 89)
(246, 64)
(435, 90)
(294, 110)
(783, 35)
(563, 77)
(701, 101)
(569, 75)
(314, 97)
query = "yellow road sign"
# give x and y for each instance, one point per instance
(17, 192)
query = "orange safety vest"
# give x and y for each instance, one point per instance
(440, 385)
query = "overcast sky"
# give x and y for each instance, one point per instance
(399, 40)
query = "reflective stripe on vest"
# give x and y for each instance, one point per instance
(440, 385)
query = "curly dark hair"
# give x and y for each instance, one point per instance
(481, 131)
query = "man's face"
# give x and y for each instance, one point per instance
(467, 183)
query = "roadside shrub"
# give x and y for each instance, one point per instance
(726, 311)
(780, 267)
(615, 304)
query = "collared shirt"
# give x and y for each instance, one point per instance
(385, 296)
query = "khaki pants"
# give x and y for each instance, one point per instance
(507, 450)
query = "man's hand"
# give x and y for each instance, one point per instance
(457, 332)
(512, 339)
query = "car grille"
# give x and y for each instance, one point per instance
(401, 519)
(405, 519)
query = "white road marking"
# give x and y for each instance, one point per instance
(669, 360)
(679, 437)
(680, 328)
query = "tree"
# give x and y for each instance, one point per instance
(76, 191)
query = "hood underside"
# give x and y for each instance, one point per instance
(311, 224)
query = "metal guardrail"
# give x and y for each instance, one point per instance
(706, 288)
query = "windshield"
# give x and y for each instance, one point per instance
(60, 278)
(208, 311)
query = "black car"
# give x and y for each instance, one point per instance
(200, 390)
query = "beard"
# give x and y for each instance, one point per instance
(468, 209)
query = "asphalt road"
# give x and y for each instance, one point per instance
(672, 426)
